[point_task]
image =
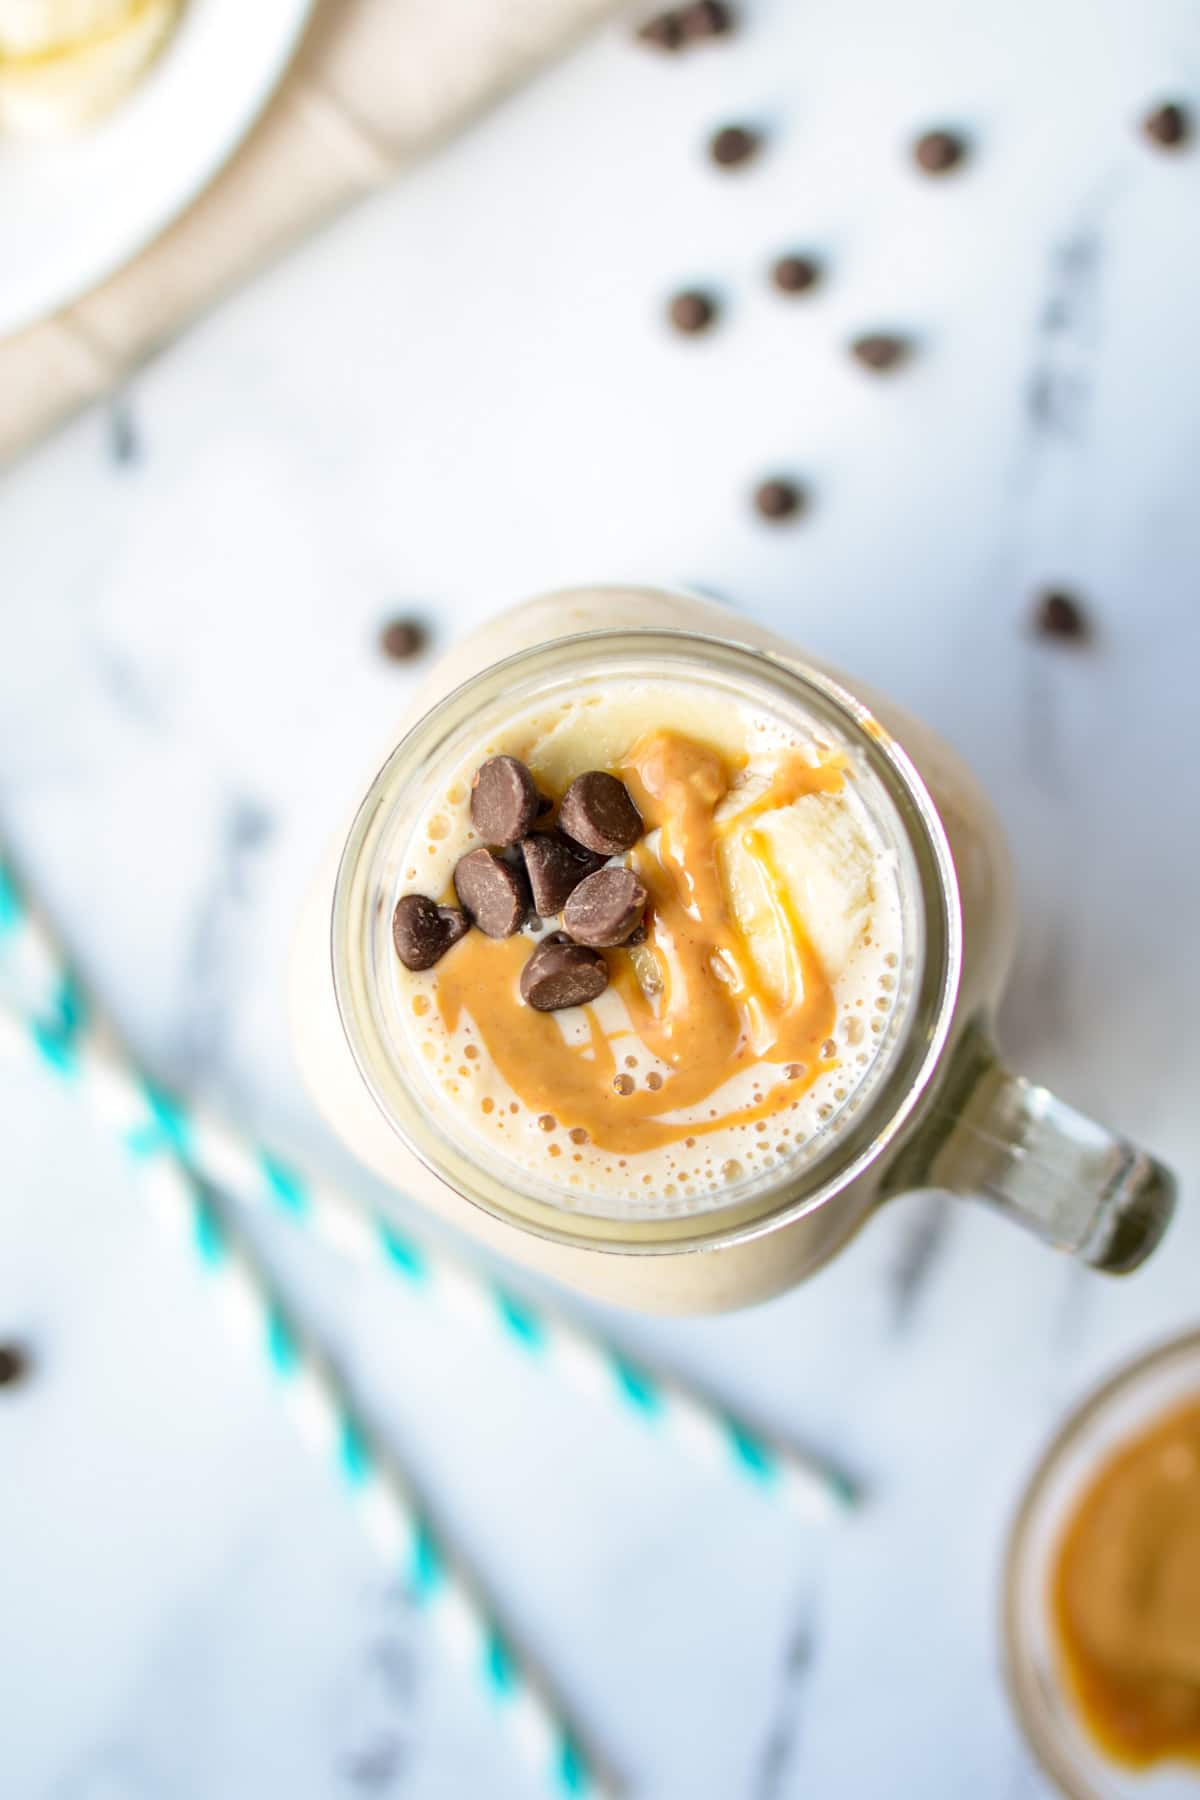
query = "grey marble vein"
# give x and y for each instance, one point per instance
(217, 944)
(124, 683)
(780, 1752)
(124, 442)
(1074, 1311)
(1038, 1008)
(1059, 385)
(377, 1733)
(1041, 732)
(925, 1235)
(115, 1770)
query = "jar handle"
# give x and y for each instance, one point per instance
(997, 1137)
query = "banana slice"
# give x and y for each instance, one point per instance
(44, 95)
(43, 27)
(811, 861)
(598, 738)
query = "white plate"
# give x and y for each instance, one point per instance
(74, 209)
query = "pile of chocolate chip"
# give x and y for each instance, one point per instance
(529, 865)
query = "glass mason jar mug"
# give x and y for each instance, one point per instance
(936, 1108)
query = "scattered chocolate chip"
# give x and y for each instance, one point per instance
(597, 812)
(795, 274)
(638, 935)
(937, 152)
(403, 639)
(1168, 127)
(606, 908)
(691, 311)
(1060, 615)
(561, 974)
(494, 894)
(422, 931)
(778, 499)
(880, 351)
(545, 805)
(734, 145)
(504, 800)
(556, 865)
(14, 1364)
(664, 32)
(707, 19)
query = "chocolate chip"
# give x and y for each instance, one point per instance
(556, 865)
(665, 32)
(545, 805)
(504, 800)
(1059, 615)
(560, 974)
(1168, 127)
(423, 931)
(880, 351)
(493, 893)
(402, 639)
(597, 812)
(937, 152)
(691, 311)
(606, 908)
(14, 1364)
(734, 145)
(707, 19)
(795, 274)
(778, 499)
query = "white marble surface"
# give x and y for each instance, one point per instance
(459, 395)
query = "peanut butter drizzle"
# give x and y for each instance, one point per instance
(1125, 1596)
(708, 1015)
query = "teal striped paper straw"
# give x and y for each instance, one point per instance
(38, 968)
(393, 1514)
(808, 1485)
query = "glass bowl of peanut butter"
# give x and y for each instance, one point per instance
(1102, 1589)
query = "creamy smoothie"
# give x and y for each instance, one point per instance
(760, 995)
(771, 1014)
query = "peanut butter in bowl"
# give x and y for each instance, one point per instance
(1102, 1600)
(1125, 1596)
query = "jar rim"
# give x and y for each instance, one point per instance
(774, 1201)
